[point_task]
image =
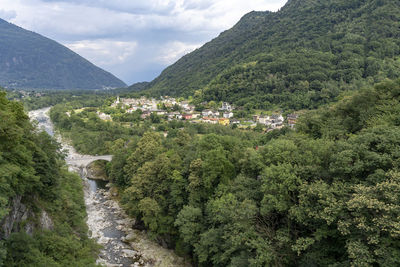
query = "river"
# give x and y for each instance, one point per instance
(107, 222)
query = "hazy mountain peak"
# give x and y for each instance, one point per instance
(29, 60)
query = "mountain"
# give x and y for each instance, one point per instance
(29, 60)
(299, 57)
(138, 86)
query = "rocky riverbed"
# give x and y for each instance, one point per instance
(107, 221)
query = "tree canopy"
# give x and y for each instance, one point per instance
(324, 195)
(32, 169)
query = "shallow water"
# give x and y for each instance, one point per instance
(102, 212)
(94, 185)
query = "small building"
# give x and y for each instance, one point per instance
(292, 120)
(277, 118)
(205, 120)
(215, 114)
(224, 121)
(226, 107)
(276, 121)
(145, 114)
(195, 115)
(228, 115)
(264, 120)
(210, 113)
(206, 113)
(128, 101)
(189, 108)
(213, 120)
(209, 120)
(187, 116)
(116, 102)
(184, 103)
(174, 115)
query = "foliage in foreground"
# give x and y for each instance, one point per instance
(32, 167)
(326, 195)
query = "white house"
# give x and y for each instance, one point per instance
(276, 121)
(207, 113)
(195, 115)
(228, 115)
(226, 107)
(264, 120)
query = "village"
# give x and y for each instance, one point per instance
(172, 109)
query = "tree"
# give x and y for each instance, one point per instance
(154, 118)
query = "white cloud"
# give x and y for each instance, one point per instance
(124, 35)
(126, 6)
(197, 4)
(104, 52)
(172, 51)
(7, 14)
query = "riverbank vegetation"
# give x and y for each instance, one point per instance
(34, 180)
(325, 194)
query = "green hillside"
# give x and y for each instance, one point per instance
(136, 87)
(299, 57)
(29, 60)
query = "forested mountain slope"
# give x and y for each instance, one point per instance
(29, 60)
(42, 211)
(299, 57)
(327, 194)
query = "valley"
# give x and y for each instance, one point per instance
(108, 223)
(276, 143)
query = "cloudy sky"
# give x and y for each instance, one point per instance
(133, 39)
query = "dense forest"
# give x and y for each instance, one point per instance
(34, 178)
(297, 58)
(326, 194)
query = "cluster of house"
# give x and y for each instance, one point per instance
(148, 106)
(223, 116)
(274, 121)
(187, 111)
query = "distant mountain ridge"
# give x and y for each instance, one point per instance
(30, 61)
(299, 57)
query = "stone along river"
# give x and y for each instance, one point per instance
(107, 222)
